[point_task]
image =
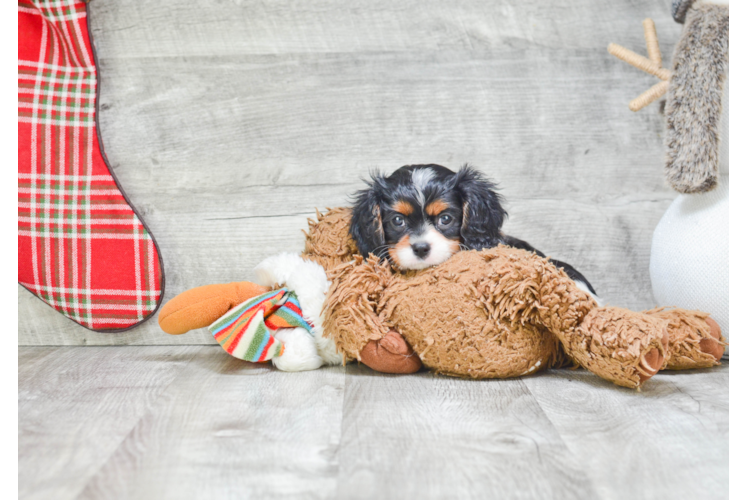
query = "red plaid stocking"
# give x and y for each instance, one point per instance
(81, 247)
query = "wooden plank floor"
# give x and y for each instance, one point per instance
(163, 422)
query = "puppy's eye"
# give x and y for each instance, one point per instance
(445, 220)
(398, 221)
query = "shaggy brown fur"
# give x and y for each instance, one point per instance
(501, 312)
(328, 242)
(612, 343)
(694, 99)
(689, 338)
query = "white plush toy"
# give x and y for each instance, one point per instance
(309, 281)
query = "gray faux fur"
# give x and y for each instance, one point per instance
(694, 99)
(679, 8)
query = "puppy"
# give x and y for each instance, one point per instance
(421, 215)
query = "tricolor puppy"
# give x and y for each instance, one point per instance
(421, 215)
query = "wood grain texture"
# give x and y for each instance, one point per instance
(75, 407)
(438, 437)
(227, 123)
(668, 441)
(135, 422)
(163, 422)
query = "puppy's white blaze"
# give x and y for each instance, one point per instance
(441, 250)
(421, 178)
(584, 288)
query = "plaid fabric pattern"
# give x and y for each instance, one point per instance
(81, 247)
(245, 331)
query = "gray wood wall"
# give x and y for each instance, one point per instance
(227, 123)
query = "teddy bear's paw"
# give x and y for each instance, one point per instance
(696, 339)
(390, 354)
(650, 364)
(653, 360)
(713, 346)
(299, 351)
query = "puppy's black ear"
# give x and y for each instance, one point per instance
(366, 222)
(482, 214)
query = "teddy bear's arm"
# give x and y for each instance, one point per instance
(352, 319)
(350, 316)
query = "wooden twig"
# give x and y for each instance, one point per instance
(651, 65)
(653, 46)
(649, 96)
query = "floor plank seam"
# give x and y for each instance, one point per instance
(186, 366)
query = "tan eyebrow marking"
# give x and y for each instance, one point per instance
(436, 207)
(403, 207)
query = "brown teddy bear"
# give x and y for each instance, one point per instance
(495, 313)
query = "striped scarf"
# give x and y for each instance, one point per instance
(245, 331)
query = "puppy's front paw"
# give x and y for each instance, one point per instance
(390, 354)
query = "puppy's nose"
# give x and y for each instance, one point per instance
(421, 249)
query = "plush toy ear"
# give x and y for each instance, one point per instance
(482, 214)
(366, 221)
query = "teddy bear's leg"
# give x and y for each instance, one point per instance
(350, 315)
(390, 354)
(622, 346)
(299, 351)
(695, 339)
